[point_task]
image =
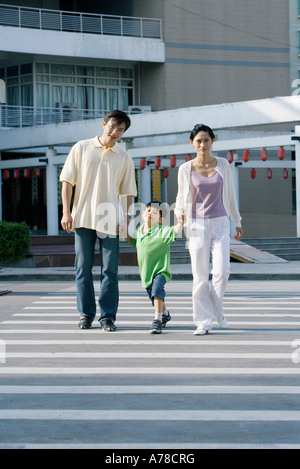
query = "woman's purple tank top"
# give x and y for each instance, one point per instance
(207, 196)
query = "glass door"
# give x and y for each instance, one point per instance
(56, 95)
(69, 94)
(62, 94)
(113, 98)
(107, 99)
(101, 101)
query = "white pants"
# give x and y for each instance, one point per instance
(210, 236)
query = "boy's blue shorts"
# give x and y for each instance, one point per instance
(157, 288)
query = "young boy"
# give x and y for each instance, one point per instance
(152, 241)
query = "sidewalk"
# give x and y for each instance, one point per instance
(239, 271)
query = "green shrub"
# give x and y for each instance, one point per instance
(14, 241)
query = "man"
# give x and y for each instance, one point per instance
(102, 172)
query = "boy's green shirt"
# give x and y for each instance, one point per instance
(153, 252)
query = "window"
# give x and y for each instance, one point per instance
(19, 81)
(91, 88)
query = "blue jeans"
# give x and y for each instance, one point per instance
(85, 240)
(157, 288)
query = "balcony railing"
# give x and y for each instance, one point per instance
(54, 20)
(28, 116)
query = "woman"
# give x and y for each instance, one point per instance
(206, 194)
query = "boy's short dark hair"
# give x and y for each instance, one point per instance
(155, 204)
(119, 117)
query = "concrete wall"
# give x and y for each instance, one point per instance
(218, 52)
(66, 44)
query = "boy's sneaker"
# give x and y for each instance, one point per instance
(156, 327)
(165, 319)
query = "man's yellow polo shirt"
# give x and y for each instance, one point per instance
(100, 178)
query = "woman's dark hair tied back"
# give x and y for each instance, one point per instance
(202, 128)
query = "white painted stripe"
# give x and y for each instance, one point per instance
(143, 307)
(264, 308)
(32, 389)
(149, 445)
(142, 295)
(176, 302)
(152, 355)
(58, 295)
(50, 307)
(101, 342)
(152, 415)
(145, 331)
(177, 315)
(174, 323)
(146, 371)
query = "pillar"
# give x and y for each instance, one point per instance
(297, 166)
(52, 199)
(0, 192)
(146, 184)
(235, 176)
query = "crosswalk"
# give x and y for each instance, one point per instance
(234, 388)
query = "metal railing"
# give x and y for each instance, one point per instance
(29, 116)
(54, 20)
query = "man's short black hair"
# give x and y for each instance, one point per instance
(119, 117)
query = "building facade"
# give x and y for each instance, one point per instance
(217, 52)
(64, 63)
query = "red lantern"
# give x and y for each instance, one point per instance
(37, 172)
(285, 173)
(230, 156)
(269, 173)
(16, 174)
(253, 173)
(188, 158)
(143, 163)
(166, 173)
(5, 174)
(264, 154)
(26, 173)
(157, 162)
(281, 153)
(173, 161)
(246, 155)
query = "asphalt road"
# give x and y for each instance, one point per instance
(61, 387)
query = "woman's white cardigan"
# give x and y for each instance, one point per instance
(184, 196)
